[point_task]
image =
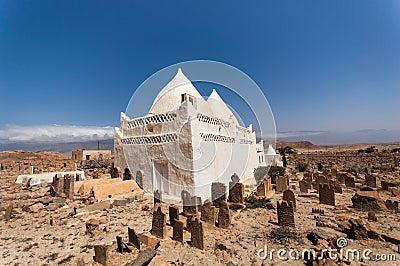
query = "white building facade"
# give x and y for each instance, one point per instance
(186, 142)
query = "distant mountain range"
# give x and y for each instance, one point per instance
(64, 147)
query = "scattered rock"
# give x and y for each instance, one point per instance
(368, 200)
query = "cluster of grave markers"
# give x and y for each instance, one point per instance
(215, 212)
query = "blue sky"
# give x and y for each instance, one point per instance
(324, 66)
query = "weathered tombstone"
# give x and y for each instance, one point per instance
(218, 193)
(288, 196)
(133, 238)
(115, 172)
(349, 181)
(341, 178)
(190, 220)
(159, 223)
(321, 180)
(224, 216)
(285, 212)
(7, 215)
(199, 203)
(236, 193)
(268, 184)
(326, 195)
(189, 203)
(1, 167)
(303, 186)
(120, 247)
(320, 167)
(69, 182)
(101, 254)
(139, 178)
(157, 197)
(173, 214)
(337, 188)
(177, 230)
(58, 185)
(261, 189)
(370, 180)
(197, 235)
(282, 183)
(127, 174)
(234, 180)
(209, 213)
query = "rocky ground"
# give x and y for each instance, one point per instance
(45, 230)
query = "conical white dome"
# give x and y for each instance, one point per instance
(219, 108)
(169, 98)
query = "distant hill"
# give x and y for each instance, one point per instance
(64, 148)
(297, 144)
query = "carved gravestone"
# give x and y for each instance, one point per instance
(303, 186)
(224, 216)
(307, 176)
(190, 220)
(341, 178)
(139, 178)
(268, 184)
(199, 203)
(326, 195)
(285, 212)
(58, 185)
(236, 193)
(159, 223)
(218, 193)
(189, 203)
(157, 197)
(288, 196)
(337, 188)
(69, 182)
(349, 182)
(197, 235)
(370, 180)
(173, 214)
(133, 238)
(282, 183)
(209, 213)
(261, 190)
(101, 254)
(177, 231)
(7, 215)
(308, 179)
(321, 180)
(234, 180)
(127, 175)
(115, 172)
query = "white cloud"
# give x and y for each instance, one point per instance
(293, 134)
(54, 133)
